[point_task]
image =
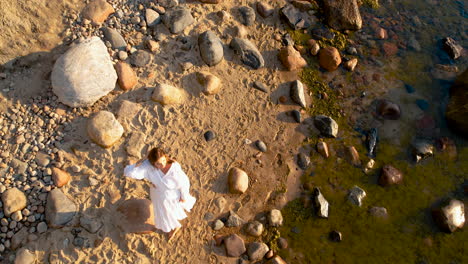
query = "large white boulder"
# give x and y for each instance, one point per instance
(83, 74)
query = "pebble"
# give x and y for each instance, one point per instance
(248, 52)
(260, 86)
(388, 110)
(390, 176)
(351, 64)
(297, 93)
(114, 37)
(141, 58)
(422, 149)
(218, 225)
(152, 17)
(326, 125)
(380, 212)
(322, 148)
(335, 236)
(209, 135)
(261, 146)
(329, 58)
(177, 19)
(254, 228)
(275, 218)
(247, 15)
(356, 195)
(211, 48)
(264, 9)
(303, 161)
(291, 58)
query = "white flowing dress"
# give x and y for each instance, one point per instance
(170, 188)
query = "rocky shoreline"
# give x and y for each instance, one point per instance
(170, 61)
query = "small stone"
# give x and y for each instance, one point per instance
(291, 58)
(211, 48)
(453, 49)
(296, 115)
(13, 200)
(380, 212)
(234, 220)
(141, 58)
(210, 83)
(353, 156)
(314, 49)
(257, 251)
(238, 180)
(356, 195)
(127, 78)
(322, 148)
(152, 17)
(275, 218)
(451, 216)
(123, 55)
(264, 9)
(16, 216)
(388, 110)
(326, 125)
(152, 45)
(335, 236)
(220, 202)
(115, 38)
(329, 58)
(218, 225)
(248, 53)
(295, 18)
(235, 246)
(297, 93)
(260, 86)
(41, 227)
(381, 33)
(303, 161)
(390, 176)
(247, 15)
(254, 228)
(351, 64)
(97, 11)
(422, 149)
(177, 19)
(168, 95)
(261, 146)
(104, 129)
(321, 204)
(209, 135)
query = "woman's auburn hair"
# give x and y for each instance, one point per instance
(156, 153)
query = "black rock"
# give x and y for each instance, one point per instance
(453, 49)
(335, 236)
(326, 125)
(141, 58)
(303, 161)
(247, 15)
(388, 110)
(248, 53)
(261, 146)
(177, 19)
(296, 115)
(260, 86)
(78, 241)
(211, 48)
(209, 135)
(114, 37)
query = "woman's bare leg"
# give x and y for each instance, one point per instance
(172, 233)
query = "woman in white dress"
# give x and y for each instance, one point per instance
(170, 191)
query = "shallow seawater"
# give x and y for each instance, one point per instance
(409, 234)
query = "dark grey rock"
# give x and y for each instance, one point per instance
(388, 110)
(303, 161)
(59, 209)
(141, 58)
(297, 93)
(296, 115)
(211, 48)
(247, 15)
(261, 146)
(257, 251)
(248, 53)
(321, 204)
(209, 135)
(295, 18)
(234, 245)
(335, 236)
(356, 195)
(177, 19)
(234, 220)
(152, 17)
(342, 14)
(453, 49)
(260, 86)
(326, 125)
(114, 37)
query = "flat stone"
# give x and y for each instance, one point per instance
(291, 58)
(297, 93)
(257, 250)
(234, 245)
(321, 204)
(114, 37)
(83, 74)
(104, 129)
(248, 52)
(127, 78)
(342, 14)
(141, 58)
(97, 11)
(247, 15)
(152, 17)
(326, 125)
(356, 195)
(138, 216)
(60, 177)
(127, 111)
(275, 218)
(166, 94)
(211, 48)
(19, 165)
(136, 143)
(238, 180)
(59, 209)
(13, 200)
(177, 19)
(210, 83)
(254, 228)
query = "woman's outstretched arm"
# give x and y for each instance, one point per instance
(137, 170)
